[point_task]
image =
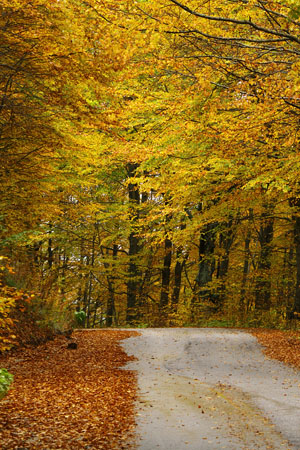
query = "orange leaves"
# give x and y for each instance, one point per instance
(281, 345)
(70, 399)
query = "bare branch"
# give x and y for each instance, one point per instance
(248, 23)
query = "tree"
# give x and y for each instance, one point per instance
(166, 138)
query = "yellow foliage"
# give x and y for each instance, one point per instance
(8, 298)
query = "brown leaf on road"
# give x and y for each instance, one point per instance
(70, 400)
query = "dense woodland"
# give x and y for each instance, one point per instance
(149, 161)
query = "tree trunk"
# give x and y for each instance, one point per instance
(63, 272)
(206, 266)
(177, 279)
(86, 300)
(178, 272)
(296, 306)
(90, 285)
(134, 248)
(246, 265)
(226, 241)
(50, 253)
(263, 282)
(110, 311)
(165, 275)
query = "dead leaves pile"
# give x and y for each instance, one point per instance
(281, 345)
(70, 399)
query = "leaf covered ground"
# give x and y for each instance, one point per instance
(281, 345)
(70, 399)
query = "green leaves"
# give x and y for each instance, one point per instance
(294, 12)
(6, 379)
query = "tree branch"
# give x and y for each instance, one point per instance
(248, 23)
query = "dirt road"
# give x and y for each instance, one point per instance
(210, 389)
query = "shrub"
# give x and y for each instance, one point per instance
(6, 379)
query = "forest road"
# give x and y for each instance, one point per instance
(210, 389)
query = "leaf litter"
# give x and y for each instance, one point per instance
(281, 345)
(70, 399)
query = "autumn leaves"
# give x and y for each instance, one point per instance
(153, 149)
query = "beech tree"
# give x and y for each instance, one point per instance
(152, 148)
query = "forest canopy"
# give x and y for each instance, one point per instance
(149, 161)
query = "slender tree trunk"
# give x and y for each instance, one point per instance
(110, 312)
(226, 241)
(246, 266)
(89, 298)
(145, 285)
(296, 306)
(263, 282)
(206, 266)
(165, 275)
(80, 277)
(90, 284)
(177, 279)
(133, 282)
(65, 260)
(134, 248)
(50, 250)
(178, 273)
(50, 253)
(86, 299)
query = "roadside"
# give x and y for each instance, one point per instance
(70, 399)
(281, 345)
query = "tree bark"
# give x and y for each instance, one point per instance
(178, 272)
(50, 253)
(134, 248)
(226, 241)
(177, 279)
(263, 282)
(165, 274)
(110, 311)
(296, 306)
(206, 266)
(246, 265)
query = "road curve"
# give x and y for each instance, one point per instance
(210, 389)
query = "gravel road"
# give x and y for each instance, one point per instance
(210, 389)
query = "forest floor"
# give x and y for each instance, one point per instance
(82, 399)
(69, 399)
(281, 345)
